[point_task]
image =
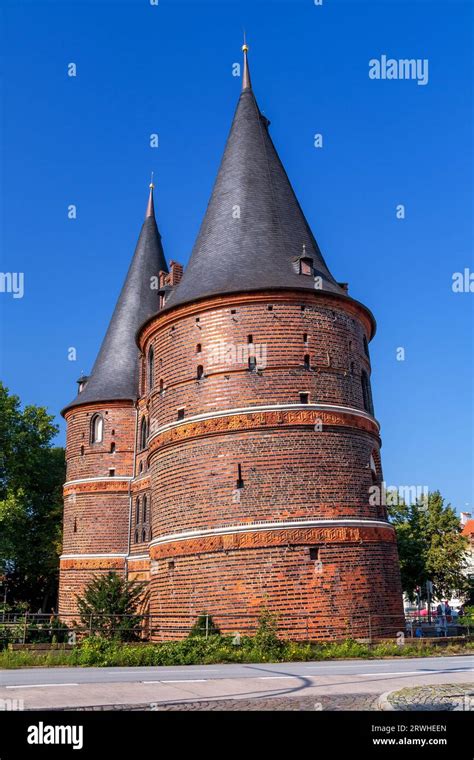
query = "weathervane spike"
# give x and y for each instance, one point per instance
(246, 84)
(150, 209)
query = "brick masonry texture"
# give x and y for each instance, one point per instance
(332, 339)
(241, 469)
(318, 602)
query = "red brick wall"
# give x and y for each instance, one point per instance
(334, 343)
(97, 508)
(290, 469)
(344, 596)
(291, 473)
(119, 428)
(74, 577)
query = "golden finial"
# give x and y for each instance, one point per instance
(151, 185)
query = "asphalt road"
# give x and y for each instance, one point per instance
(390, 667)
(79, 687)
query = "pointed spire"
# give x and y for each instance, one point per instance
(150, 209)
(115, 372)
(262, 248)
(246, 83)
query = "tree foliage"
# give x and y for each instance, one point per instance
(430, 546)
(108, 607)
(32, 473)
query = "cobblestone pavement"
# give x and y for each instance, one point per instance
(441, 697)
(331, 702)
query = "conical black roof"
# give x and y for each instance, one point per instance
(254, 230)
(115, 372)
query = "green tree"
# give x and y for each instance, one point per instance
(32, 473)
(108, 607)
(430, 546)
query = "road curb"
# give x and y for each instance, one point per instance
(383, 701)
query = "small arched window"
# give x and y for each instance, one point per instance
(307, 361)
(137, 511)
(198, 348)
(144, 509)
(151, 368)
(161, 386)
(143, 535)
(97, 428)
(136, 536)
(367, 393)
(143, 434)
(200, 371)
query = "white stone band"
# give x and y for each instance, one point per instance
(109, 479)
(93, 556)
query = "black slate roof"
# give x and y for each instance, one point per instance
(261, 248)
(115, 372)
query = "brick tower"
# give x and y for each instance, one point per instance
(256, 443)
(102, 430)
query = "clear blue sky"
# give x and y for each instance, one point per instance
(168, 69)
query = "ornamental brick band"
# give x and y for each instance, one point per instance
(140, 485)
(114, 485)
(92, 563)
(266, 538)
(139, 564)
(260, 419)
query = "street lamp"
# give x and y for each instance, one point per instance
(429, 594)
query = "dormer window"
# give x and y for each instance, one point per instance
(82, 383)
(97, 429)
(306, 265)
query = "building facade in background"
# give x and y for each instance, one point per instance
(224, 446)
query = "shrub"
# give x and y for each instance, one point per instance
(108, 607)
(204, 626)
(266, 642)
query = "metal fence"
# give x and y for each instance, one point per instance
(25, 627)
